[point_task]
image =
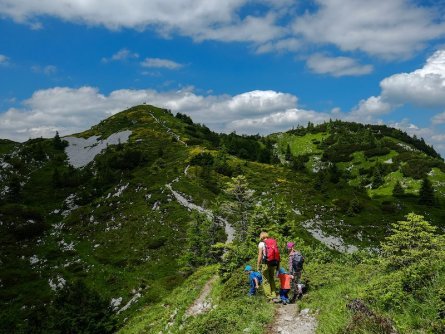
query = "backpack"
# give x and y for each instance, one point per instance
(297, 262)
(272, 252)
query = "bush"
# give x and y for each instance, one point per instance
(78, 309)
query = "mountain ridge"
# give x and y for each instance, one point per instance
(116, 225)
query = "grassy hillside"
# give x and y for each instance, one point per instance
(116, 233)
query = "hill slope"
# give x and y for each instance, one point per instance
(120, 207)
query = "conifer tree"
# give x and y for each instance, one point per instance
(398, 190)
(426, 193)
(288, 155)
(238, 189)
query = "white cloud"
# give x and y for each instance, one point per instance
(278, 121)
(69, 110)
(438, 119)
(47, 70)
(122, 54)
(287, 44)
(160, 63)
(337, 66)
(4, 60)
(210, 19)
(368, 109)
(388, 29)
(424, 87)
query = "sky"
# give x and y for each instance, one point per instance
(250, 66)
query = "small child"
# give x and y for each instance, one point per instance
(255, 280)
(285, 280)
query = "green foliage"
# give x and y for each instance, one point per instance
(238, 190)
(426, 193)
(78, 309)
(398, 189)
(411, 243)
(202, 159)
(58, 143)
(202, 234)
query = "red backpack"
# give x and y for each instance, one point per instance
(272, 252)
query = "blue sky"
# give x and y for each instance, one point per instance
(251, 66)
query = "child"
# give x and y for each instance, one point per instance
(296, 262)
(285, 280)
(255, 280)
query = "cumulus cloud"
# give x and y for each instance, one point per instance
(368, 109)
(122, 54)
(424, 87)
(4, 60)
(337, 66)
(70, 110)
(278, 121)
(210, 19)
(160, 63)
(388, 29)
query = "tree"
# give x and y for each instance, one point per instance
(412, 243)
(238, 190)
(398, 190)
(58, 143)
(79, 309)
(288, 155)
(426, 193)
(377, 179)
(334, 173)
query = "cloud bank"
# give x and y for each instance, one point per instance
(387, 29)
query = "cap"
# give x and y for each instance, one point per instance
(282, 271)
(290, 245)
(248, 268)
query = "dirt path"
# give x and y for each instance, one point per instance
(290, 320)
(203, 303)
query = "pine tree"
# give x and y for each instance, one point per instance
(398, 190)
(238, 189)
(426, 193)
(288, 155)
(58, 143)
(377, 179)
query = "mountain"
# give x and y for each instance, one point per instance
(98, 224)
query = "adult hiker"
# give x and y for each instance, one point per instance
(267, 263)
(296, 260)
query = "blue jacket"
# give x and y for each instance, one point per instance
(252, 275)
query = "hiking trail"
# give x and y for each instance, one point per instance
(290, 320)
(203, 303)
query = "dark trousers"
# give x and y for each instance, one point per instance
(283, 295)
(294, 286)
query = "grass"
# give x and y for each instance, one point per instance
(233, 311)
(122, 244)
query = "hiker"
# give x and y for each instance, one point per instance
(285, 285)
(267, 263)
(255, 280)
(296, 261)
